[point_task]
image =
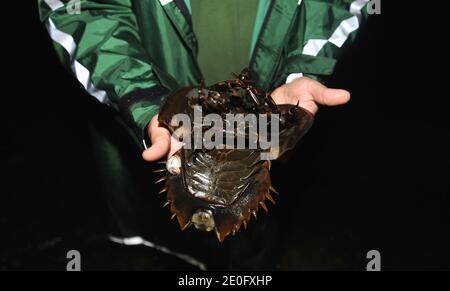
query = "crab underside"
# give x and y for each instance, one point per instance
(220, 189)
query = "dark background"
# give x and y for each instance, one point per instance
(370, 175)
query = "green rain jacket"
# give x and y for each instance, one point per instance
(130, 54)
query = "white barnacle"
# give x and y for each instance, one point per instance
(174, 165)
(203, 220)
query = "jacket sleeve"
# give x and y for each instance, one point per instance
(322, 31)
(98, 40)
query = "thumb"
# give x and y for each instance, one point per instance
(159, 149)
(333, 97)
(327, 96)
(160, 141)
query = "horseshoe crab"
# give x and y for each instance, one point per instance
(220, 189)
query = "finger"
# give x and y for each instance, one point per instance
(160, 142)
(327, 96)
(159, 148)
(333, 97)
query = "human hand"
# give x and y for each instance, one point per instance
(163, 144)
(308, 94)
